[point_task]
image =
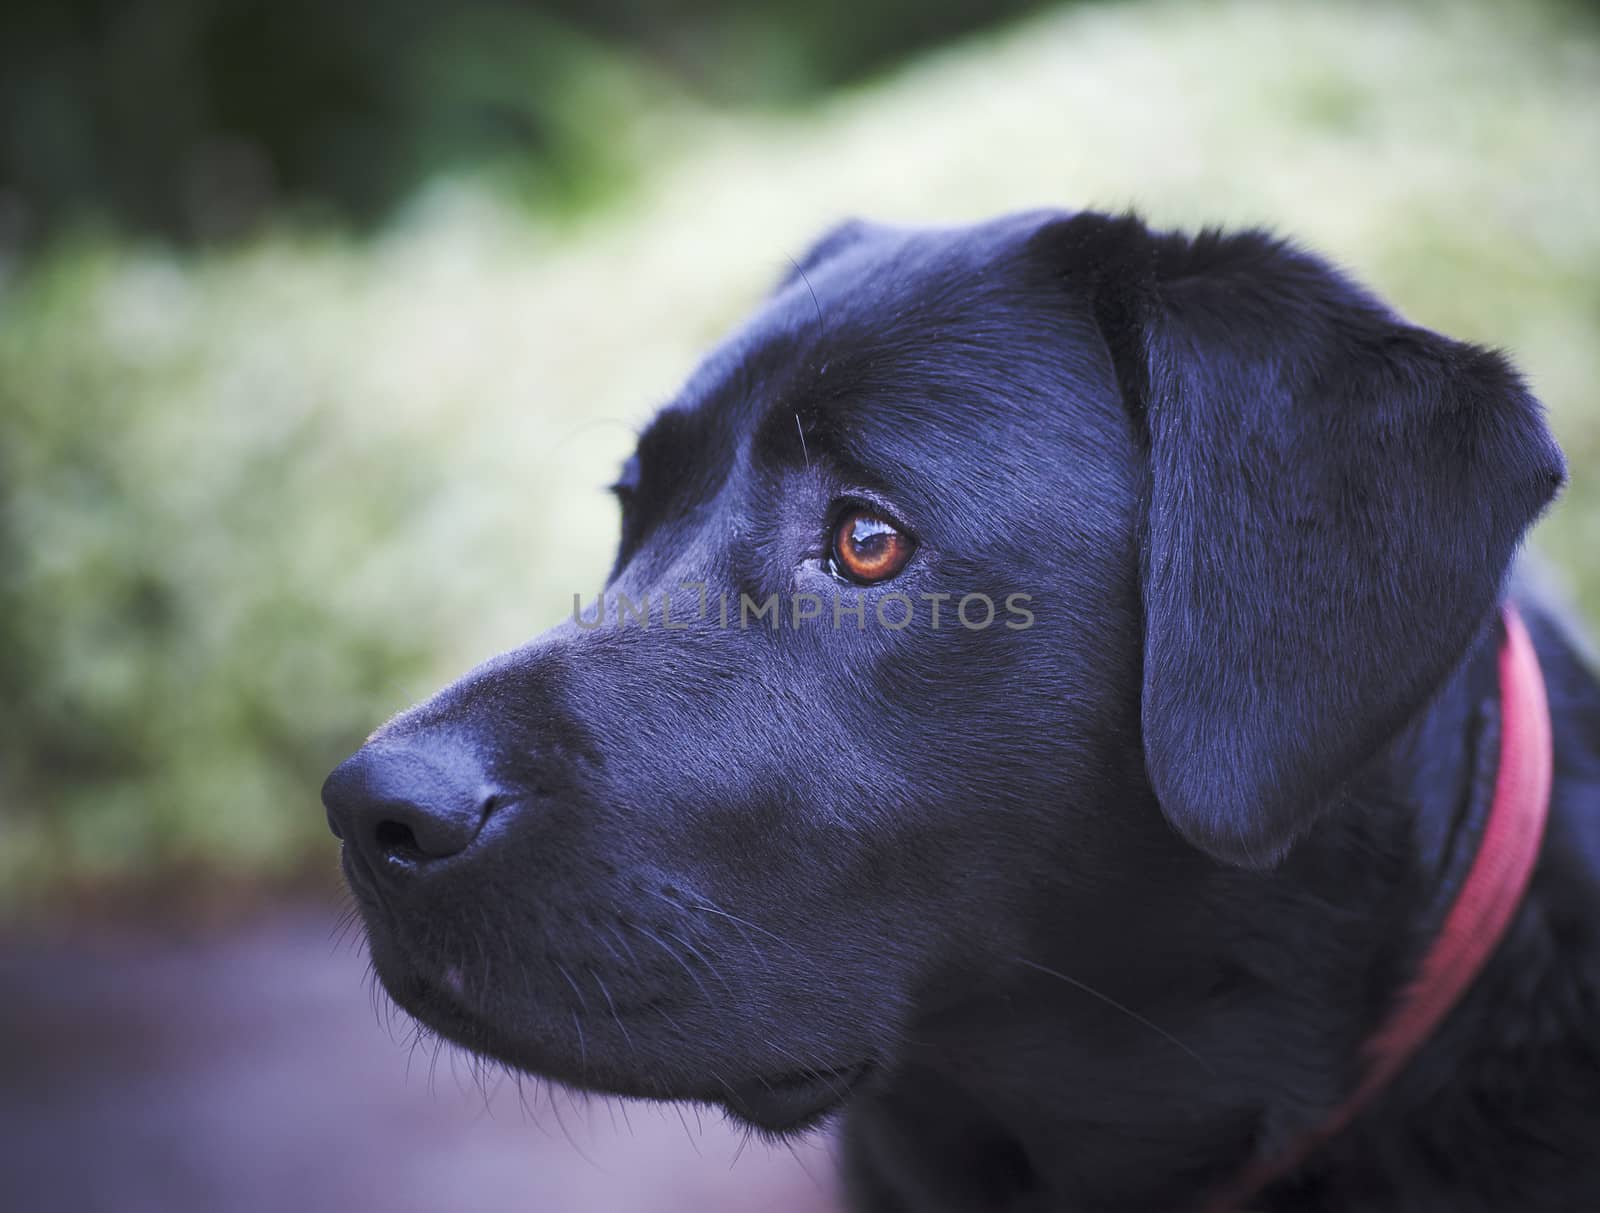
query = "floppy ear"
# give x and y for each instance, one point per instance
(1334, 497)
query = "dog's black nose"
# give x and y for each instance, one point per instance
(402, 807)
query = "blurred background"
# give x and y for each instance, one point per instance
(321, 328)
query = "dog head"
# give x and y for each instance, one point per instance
(988, 579)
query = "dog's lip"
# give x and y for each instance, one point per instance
(796, 1100)
(354, 868)
(777, 1103)
(439, 1004)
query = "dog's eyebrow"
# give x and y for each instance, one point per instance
(798, 432)
(682, 456)
(665, 444)
(628, 477)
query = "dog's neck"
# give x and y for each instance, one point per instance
(1479, 859)
(1196, 1061)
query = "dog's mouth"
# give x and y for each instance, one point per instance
(785, 1102)
(436, 1005)
(781, 1103)
(794, 1101)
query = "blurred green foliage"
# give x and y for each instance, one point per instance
(159, 570)
(256, 497)
(197, 118)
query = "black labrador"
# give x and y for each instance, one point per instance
(1047, 680)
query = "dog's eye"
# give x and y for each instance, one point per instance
(868, 548)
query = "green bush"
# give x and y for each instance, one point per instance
(178, 509)
(198, 120)
(252, 501)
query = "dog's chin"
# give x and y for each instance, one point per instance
(436, 1008)
(795, 1102)
(777, 1103)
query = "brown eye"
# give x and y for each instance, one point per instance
(868, 548)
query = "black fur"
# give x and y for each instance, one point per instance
(1081, 915)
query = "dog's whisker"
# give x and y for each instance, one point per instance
(612, 1006)
(411, 1048)
(342, 930)
(703, 959)
(583, 1002)
(711, 907)
(494, 1078)
(1117, 1006)
(611, 951)
(583, 1048)
(482, 940)
(622, 1106)
(681, 962)
(744, 926)
(811, 1070)
(522, 1095)
(694, 1142)
(744, 1143)
(633, 956)
(555, 1106)
(806, 278)
(792, 1146)
(666, 1015)
(433, 1067)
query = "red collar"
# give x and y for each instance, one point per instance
(1489, 898)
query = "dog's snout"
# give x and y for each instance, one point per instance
(403, 807)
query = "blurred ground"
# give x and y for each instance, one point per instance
(248, 1072)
